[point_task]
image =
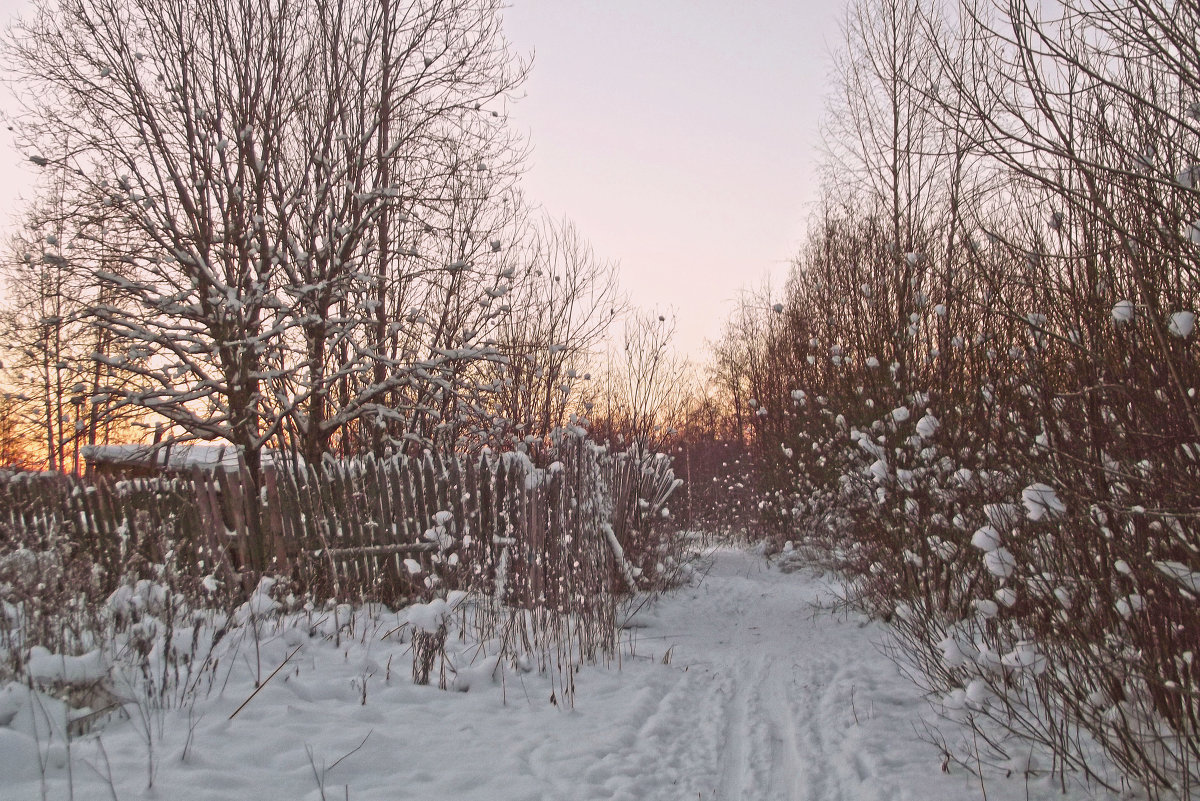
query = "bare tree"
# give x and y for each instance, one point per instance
(564, 301)
(62, 391)
(15, 451)
(262, 157)
(232, 139)
(639, 399)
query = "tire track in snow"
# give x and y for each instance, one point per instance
(786, 768)
(813, 737)
(734, 755)
(785, 670)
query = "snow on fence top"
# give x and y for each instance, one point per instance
(209, 456)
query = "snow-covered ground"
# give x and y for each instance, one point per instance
(735, 688)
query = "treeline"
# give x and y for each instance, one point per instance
(976, 394)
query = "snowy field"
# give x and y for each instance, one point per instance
(735, 688)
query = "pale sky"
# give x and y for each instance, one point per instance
(16, 174)
(679, 135)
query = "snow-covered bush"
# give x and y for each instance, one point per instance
(1029, 535)
(1016, 495)
(979, 398)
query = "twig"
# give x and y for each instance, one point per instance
(979, 763)
(319, 778)
(258, 689)
(107, 775)
(351, 752)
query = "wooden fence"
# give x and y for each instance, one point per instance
(387, 529)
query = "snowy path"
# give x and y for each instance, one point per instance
(759, 699)
(762, 703)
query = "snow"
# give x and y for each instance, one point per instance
(1000, 562)
(986, 609)
(978, 692)
(145, 595)
(986, 539)
(1130, 604)
(1025, 656)
(731, 689)
(1006, 596)
(1002, 515)
(260, 604)
(879, 471)
(927, 426)
(205, 455)
(1182, 323)
(1041, 501)
(1190, 579)
(46, 666)
(1122, 311)
(429, 617)
(953, 652)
